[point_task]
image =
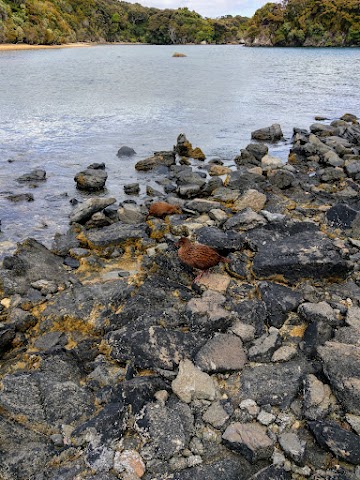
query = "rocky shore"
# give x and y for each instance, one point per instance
(115, 364)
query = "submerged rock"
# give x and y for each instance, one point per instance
(21, 197)
(34, 176)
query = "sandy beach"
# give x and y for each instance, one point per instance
(24, 46)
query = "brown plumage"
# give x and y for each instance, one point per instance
(161, 209)
(198, 256)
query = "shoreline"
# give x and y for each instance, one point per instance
(114, 326)
(25, 46)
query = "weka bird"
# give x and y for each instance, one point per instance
(198, 256)
(161, 209)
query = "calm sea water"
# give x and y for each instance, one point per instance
(64, 109)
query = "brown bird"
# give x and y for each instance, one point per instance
(198, 256)
(161, 209)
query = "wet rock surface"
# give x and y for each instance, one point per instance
(92, 179)
(115, 363)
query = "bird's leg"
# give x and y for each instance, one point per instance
(203, 272)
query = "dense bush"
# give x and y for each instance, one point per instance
(307, 22)
(291, 23)
(63, 21)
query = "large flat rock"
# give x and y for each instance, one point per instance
(115, 234)
(296, 251)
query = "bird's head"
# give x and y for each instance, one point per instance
(182, 241)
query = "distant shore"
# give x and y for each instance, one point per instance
(25, 46)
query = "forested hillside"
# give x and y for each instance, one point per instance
(306, 23)
(290, 23)
(63, 21)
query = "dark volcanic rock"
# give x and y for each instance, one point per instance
(322, 130)
(24, 452)
(282, 179)
(341, 364)
(315, 312)
(43, 397)
(7, 335)
(158, 159)
(263, 348)
(153, 347)
(154, 302)
(126, 152)
(279, 301)
(342, 443)
(21, 320)
(321, 318)
(97, 166)
(183, 147)
(317, 333)
(226, 469)
(272, 473)
(276, 384)
(88, 305)
(91, 179)
(253, 312)
(21, 197)
(301, 252)
(207, 315)
(34, 176)
(244, 180)
(222, 241)
(140, 390)
(168, 428)
(316, 403)
(109, 424)
(239, 265)
(259, 150)
(30, 263)
(115, 234)
(64, 242)
(272, 133)
(341, 216)
(132, 189)
(84, 211)
(252, 154)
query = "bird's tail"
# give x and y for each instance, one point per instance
(225, 260)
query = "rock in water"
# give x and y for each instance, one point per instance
(126, 152)
(91, 179)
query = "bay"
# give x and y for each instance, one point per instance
(66, 108)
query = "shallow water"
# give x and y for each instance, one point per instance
(64, 109)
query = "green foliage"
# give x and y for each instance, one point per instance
(293, 22)
(307, 22)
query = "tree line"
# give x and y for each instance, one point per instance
(290, 23)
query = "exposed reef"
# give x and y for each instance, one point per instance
(115, 364)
